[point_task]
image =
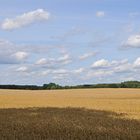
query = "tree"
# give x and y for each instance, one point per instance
(51, 86)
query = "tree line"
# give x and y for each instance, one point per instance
(51, 86)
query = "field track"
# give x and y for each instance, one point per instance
(117, 100)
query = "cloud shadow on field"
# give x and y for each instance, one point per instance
(66, 124)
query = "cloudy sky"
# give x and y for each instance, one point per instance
(69, 42)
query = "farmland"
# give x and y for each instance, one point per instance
(70, 114)
(118, 100)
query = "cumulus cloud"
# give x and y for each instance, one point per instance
(44, 73)
(87, 55)
(100, 14)
(64, 59)
(120, 62)
(123, 68)
(61, 74)
(10, 53)
(42, 61)
(54, 62)
(79, 71)
(25, 19)
(115, 65)
(20, 56)
(22, 69)
(103, 68)
(137, 62)
(55, 73)
(100, 63)
(133, 41)
(60, 71)
(99, 74)
(7, 46)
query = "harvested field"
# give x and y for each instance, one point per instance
(117, 100)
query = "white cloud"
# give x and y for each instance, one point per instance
(78, 71)
(65, 74)
(25, 19)
(100, 63)
(64, 59)
(22, 69)
(99, 73)
(100, 14)
(44, 73)
(20, 56)
(123, 68)
(87, 55)
(60, 71)
(54, 62)
(103, 68)
(118, 63)
(60, 74)
(11, 53)
(59, 77)
(137, 62)
(133, 41)
(41, 61)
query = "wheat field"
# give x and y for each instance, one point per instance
(125, 101)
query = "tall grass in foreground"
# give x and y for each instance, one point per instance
(66, 124)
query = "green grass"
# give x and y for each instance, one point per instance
(66, 124)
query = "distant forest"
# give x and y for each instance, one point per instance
(51, 86)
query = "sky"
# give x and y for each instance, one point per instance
(69, 42)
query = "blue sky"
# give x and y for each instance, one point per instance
(69, 42)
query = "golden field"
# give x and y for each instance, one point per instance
(117, 100)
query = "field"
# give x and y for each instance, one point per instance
(81, 114)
